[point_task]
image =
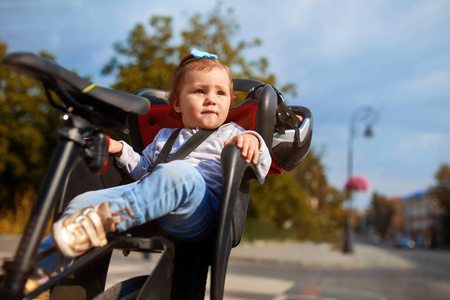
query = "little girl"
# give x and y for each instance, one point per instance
(183, 194)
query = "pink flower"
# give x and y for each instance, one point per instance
(357, 183)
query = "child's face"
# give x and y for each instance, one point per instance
(204, 99)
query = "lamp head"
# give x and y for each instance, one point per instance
(368, 133)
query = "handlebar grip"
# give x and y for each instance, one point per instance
(96, 152)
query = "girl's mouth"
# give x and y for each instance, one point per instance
(209, 112)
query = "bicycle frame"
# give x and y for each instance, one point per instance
(17, 271)
(70, 139)
(78, 118)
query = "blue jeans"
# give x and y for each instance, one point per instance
(175, 194)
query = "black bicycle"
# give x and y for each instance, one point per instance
(81, 164)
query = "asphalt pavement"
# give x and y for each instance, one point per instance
(307, 255)
(239, 287)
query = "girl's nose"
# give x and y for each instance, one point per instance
(210, 100)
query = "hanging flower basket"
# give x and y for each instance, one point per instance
(357, 183)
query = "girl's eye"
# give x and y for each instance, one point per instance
(199, 91)
(220, 93)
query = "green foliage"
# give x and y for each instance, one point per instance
(13, 221)
(311, 176)
(441, 190)
(147, 58)
(381, 214)
(301, 200)
(279, 199)
(261, 230)
(27, 132)
(442, 187)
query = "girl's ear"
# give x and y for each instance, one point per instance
(176, 106)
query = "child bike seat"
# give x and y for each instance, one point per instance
(252, 114)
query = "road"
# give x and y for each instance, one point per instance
(309, 271)
(380, 270)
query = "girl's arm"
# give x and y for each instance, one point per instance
(127, 159)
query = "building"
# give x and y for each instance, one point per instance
(422, 217)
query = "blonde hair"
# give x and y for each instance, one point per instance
(189, 63)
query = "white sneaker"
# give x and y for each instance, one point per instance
(75, 234)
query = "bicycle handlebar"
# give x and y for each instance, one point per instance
(82, 90)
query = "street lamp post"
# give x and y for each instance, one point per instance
(365, 116)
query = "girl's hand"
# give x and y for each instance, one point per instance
(249, 145)
(115, 147)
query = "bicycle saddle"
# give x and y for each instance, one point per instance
(88, 93)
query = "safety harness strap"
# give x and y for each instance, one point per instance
(192, 143)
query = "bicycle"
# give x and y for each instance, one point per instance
(86, 109)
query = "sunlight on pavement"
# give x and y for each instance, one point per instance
(246, 287)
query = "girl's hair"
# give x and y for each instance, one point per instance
(189, 63)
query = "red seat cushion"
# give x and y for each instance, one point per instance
(163, 116)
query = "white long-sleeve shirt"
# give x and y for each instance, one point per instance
(206, 158)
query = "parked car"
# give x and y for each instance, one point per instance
(375, 240)
(404, 242)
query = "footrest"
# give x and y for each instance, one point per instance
(132, 243)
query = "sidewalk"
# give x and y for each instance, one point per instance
(317, 255)
(304, 255)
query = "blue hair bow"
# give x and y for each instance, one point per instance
(199, 54)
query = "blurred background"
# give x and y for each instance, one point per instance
(375, 75)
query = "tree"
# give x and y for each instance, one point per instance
(146, 59)
(441, 190)
(27, 132)
(311, 176)
(282, 199)
(381, 213)
(302, 198)
(442, 187)
(329, 215)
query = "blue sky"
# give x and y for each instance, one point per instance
(342, 55)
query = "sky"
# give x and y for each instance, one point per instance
(393, 56)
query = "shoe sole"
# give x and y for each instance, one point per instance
(62, 247)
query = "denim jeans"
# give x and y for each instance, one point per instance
(175, 194)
